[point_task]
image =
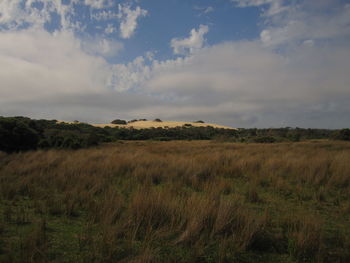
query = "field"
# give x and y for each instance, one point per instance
(177, 201)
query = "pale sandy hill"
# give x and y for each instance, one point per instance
(154, 124)
(163, 124)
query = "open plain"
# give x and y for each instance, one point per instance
(178, 201)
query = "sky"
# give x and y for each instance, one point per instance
(241, 63)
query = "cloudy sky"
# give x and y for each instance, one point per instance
(242, 63)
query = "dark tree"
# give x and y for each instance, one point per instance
(343, 135)
(118, 121)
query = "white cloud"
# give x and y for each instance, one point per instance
(204, 10)
(295, 74)
(18, 13)
(130, 76)
(243, 83)
(128, 18)
(150, 55)
(309, 43)
(189, 45)
(309, 20)
(209, 9)
(97, 4)
(274, 6)
(110, 29)
(8, 10)
(104, 15)
(36, 64)
(102, 47)
(235, 83)
(13, 16)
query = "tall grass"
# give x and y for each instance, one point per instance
(177, 202)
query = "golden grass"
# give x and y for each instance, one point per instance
(181, 201)
(155, 124)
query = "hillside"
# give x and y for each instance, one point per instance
(155, 124)
(22, 133)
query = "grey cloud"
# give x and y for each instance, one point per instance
(98, 107)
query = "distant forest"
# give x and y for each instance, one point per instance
(22, 134)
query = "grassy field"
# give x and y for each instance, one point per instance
(180, 201)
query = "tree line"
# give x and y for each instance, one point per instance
(22, 134)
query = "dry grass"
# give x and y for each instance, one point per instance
(177, 202)
(155, 124)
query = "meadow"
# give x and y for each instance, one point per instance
(177, 201)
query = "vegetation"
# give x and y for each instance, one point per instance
(343, 134)
(158, 120)
(22, 134)
(199, 201)
(118, 121)
(131, 121)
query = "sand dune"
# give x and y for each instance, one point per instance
(155, 124)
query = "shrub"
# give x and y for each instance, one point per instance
(343, 135)
(131, 121)
(118, 121)
(157, 120)
(17, 135)
(264, 139)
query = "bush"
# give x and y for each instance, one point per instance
(158, 120)
(343, 135)
(118, 121)
(200, 121)
(265, 139)
(16, 134)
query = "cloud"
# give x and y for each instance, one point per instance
(98, 4)
(295, 74)
(204, 10)
(245, 84)
(110, 29)
(128, 18)
(189, 45)
(15, 14)
(130, 76)
(209, 9)
(104, 15)
(274, 6)
(305, 21)
(241, 84)
(308, 22)
(102, 47)
(92, 107)
(8, 10)
(36, 64)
